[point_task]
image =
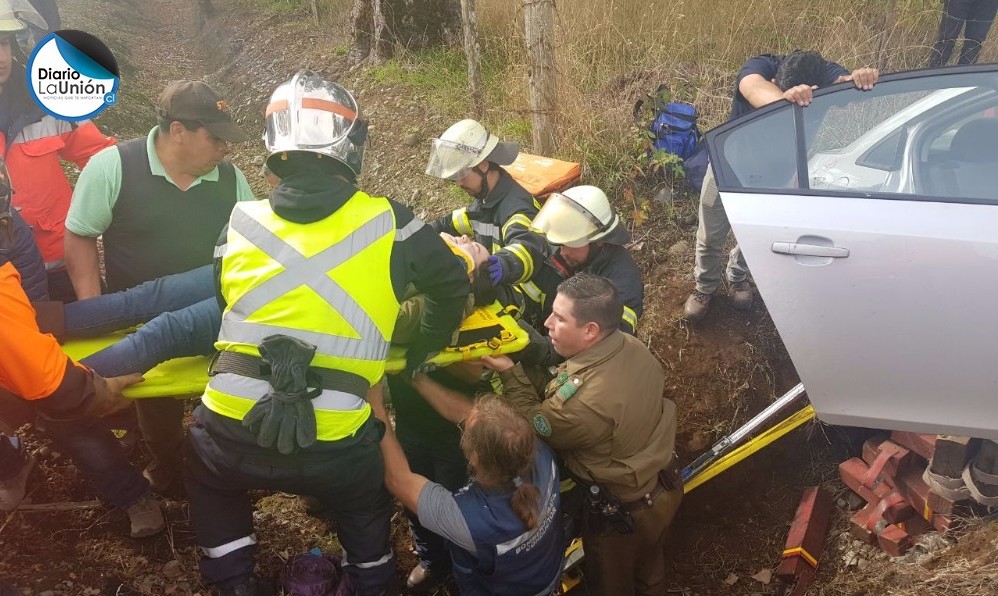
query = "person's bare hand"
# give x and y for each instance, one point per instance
(863, 78)
(108, 398)
(498, 363)
(376, 397)
(800, 95)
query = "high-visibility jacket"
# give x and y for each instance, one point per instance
(32, 364)
(327, 283)
(501, 223)
(41, 190)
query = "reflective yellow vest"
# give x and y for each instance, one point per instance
(327, 283)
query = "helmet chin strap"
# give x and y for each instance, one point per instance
(483, 191)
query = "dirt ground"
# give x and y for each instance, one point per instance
(720, 373)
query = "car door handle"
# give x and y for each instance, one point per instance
(810, 250)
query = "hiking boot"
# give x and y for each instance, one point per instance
(741, 295)
(12, 490)
(146, 517)
(422, 580)
(250, 586)
(696, 306)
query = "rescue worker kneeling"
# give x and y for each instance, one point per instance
(504, 528)
(310, 282)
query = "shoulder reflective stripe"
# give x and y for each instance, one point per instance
(369, 565)
(220, 250)
(521, 252)
(220, 551)
(509, 545)
(516, 219)
(485, 229)
(459, 219)
(46, 127)
(409, 229)
(533, 292)
(630, 317)
(311, 272)
(253, 389)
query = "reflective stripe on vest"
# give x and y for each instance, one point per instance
(309, 281)
(233, 395)
(301, 271)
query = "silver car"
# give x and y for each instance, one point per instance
(870, 223)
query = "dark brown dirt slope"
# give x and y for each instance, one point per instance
(720, 373)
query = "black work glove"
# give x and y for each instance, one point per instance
(285, 415)
(416, 355)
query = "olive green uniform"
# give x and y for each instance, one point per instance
(605, 416)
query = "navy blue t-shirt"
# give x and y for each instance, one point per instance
(766, 66)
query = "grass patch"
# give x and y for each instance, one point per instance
(278, 6)
(439, 73)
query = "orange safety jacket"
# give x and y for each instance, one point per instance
(41, 190)
(32, 365)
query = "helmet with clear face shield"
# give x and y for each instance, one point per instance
(465, 145)
(580, 215)
(15, 15)
(313, 115)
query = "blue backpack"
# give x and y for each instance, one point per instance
(674, 130)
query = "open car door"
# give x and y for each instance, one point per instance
(869, 221)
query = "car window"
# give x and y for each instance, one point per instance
(930, 136)
(747, 166)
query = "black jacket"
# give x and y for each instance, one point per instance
(23, 253)
(501, 223)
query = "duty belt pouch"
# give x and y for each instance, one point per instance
(284, 416)
(672, 476)
(607, 512)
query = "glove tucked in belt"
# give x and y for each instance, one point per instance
(284, 416)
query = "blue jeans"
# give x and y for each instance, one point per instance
(180, 311)
(92, 446)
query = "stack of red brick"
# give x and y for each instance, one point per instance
(899, 503)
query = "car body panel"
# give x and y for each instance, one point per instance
(883, 292)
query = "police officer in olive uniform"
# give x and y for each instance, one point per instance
(310, 283)
(605, 416)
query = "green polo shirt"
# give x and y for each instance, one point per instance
(97, 188)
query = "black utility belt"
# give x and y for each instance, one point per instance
(256, 368)
(669, 479)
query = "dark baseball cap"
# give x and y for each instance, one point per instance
(195, 100)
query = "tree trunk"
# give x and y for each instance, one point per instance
(472, 51)
(381, 26)
(539, 29)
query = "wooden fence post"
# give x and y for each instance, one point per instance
(539, 29)
(472, 51)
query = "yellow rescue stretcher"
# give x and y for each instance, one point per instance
(488, 331)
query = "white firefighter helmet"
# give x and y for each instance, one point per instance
(580, 215)
(311, 114)
(465, 145)
(15, 15)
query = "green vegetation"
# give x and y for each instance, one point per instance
(611, 52)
